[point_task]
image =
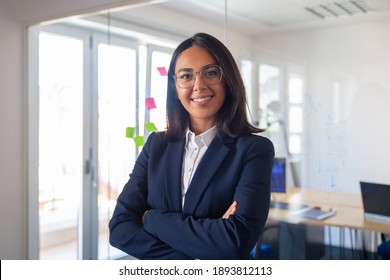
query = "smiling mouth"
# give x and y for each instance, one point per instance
(201, 100)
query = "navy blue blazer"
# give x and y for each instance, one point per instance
(231, 169)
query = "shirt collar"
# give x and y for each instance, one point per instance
(206, 137)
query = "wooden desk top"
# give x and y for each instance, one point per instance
(349, 209)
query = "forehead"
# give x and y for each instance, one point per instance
(194, 57)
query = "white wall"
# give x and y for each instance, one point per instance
(347, 135)
(12, 152)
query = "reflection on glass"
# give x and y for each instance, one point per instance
(295, 119)
(142, 69)
(158, 88)
(270, 90)
(246, 72)
(60, 144)
(117, 110)
(295, 89)
(294, 144)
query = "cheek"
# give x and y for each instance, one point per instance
(221, 91)
(182, 94)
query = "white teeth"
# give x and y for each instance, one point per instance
(201, 99)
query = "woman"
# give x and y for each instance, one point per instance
(200, 189)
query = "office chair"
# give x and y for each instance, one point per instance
(384, 248)
(263, 251)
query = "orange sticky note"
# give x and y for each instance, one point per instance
(162, 71)
(150, 104)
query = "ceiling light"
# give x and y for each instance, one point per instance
(340, 9)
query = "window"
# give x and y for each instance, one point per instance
(60, 143)
(281, 94)
(295, 113)
(271, 103)
(246, 73)
(117, 99)
(87, 98)
(158, 87)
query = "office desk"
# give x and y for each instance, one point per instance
(349, 216)
(349, 209)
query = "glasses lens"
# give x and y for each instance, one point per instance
(211, 75)
(185, 78)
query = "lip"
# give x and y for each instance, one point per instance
(202, 99)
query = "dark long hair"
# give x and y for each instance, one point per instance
(231, 119)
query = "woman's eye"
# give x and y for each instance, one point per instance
(211, 73)
(187, 76)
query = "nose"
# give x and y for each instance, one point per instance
(199, 84)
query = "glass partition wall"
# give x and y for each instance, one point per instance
(91, 87)
(101, 90)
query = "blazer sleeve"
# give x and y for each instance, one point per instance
(232, 238)
(126, 229)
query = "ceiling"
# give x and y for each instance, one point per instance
(258, 17)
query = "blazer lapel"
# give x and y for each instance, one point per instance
(212, 159)
(173, 169)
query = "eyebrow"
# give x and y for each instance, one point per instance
(191, 69)
(185, 69)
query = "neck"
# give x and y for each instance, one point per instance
(200, 127)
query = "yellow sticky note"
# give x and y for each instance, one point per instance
(130, 132)
(150, 126)
(139, 141)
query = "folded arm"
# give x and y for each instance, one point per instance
(230, 237)
(127, 232)
(172, 234)
(126, 226)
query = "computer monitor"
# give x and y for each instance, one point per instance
(278, 178)
(376, 199)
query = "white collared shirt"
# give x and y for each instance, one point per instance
(194, 150)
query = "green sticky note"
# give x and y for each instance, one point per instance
(139, 141)
(150, 126)
(130, 132)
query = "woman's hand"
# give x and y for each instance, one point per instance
(231, 211)
(143, 217)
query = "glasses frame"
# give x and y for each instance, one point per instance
(200, 75)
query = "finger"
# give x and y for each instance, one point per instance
(231, 211)
(233, 208)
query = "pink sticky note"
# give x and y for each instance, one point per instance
(150, 104)
(163, 71)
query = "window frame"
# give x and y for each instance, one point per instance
(91, 37)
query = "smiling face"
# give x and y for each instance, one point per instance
(202, 101)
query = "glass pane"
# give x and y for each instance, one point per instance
(336, 104)
(294, 144)
(158, 88)
(246, 72)
(60, 145)
(295, 119)
(117, 110)
(142, 72)
(295, 89)
(270, 98)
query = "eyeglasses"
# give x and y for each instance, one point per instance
(210, 75)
